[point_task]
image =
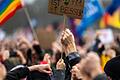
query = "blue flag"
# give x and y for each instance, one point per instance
(115, 4)
(92, 11)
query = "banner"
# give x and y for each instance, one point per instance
(8, 9)
(111, 18)
(106, 36)
(92, 11)
(70, 8)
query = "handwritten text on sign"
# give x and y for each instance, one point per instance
(71, 8)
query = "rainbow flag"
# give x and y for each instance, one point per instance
(8, 9)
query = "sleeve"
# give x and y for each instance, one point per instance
(71, 60)
(17, 74)
(8, 65)
(59, 75)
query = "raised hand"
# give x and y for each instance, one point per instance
(68, 42)
(60, 65)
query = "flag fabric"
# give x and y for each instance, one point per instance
(93, 11)
(8, 9)
(112, 16)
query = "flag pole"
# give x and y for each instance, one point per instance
(65, 21)
(30, 22)
(65, 26)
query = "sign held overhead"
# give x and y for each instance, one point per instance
(70, 8)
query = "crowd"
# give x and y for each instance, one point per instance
(21, 59)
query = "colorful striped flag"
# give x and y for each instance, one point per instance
(8, 9)
(111, 18)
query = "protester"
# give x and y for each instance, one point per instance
(112, 68)
(106, 56)
(25, 47)
(54, 52)
(24, 71)
(69, 47)
(42, 69)
(66, 60)
(90, 68)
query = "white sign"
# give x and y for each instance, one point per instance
(106, 36)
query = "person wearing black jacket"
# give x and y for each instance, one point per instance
(22, 72)
(72, 58)
(69, 47)
(112, 68)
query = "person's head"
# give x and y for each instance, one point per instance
(4, 55)
(23, 47)
(90, 66)
(110, 53)
(112, 68)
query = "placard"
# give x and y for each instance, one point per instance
(71, 8)
(106, 36)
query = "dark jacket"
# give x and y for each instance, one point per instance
(17, 74)
(23, 72)
(70, 61)
(101, 77)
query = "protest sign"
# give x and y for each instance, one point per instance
(106, 36)
(70, 8)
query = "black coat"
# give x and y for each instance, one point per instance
(23, 72)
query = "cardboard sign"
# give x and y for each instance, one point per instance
(71, 8)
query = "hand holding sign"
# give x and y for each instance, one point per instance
(60, 65)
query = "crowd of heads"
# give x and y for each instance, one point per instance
(21, 51)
